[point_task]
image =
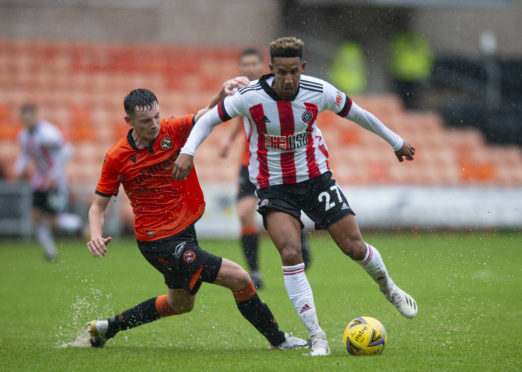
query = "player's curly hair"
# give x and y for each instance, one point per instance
(142, 99)
(287, 46)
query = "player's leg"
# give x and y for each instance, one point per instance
(177, 301)
(42, 218)
(235, 278)
(305, 250)
(284, 229)
(246, 208)
(347, 236)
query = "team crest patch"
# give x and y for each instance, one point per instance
(307, 116)
(189, 256)
(166, 143)
(263, 203)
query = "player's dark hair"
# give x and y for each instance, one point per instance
(28, 108)
(251, 52)
(287, 46)
(140, 100)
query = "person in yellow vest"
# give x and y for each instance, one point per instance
(348, 69)
(411, 59)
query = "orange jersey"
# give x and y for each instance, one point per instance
(245, 156)
(162, 207)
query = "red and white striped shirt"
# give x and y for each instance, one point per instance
(285, 144)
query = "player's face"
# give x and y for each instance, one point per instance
(287, 72)
(28, 118)
(146, 123)
(251, 66)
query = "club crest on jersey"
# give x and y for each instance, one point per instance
(166, 143)
(189, 256)
(307, 116)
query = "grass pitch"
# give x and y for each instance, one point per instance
(468, 288)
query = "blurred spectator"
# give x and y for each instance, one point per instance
(411, 59)
(348, 69)
(43, 144)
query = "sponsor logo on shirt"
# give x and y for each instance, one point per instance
(286, 143)
(156, 169)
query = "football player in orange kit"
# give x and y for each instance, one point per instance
(165, 213)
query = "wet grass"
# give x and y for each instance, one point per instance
(468, 287)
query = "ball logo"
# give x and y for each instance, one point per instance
(189, 256)
(307, 116)
(166, 143)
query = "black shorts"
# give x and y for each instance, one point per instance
(41, 201)
(246, 188)
(319, 198)
(181, 261)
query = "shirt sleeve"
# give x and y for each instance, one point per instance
(336, 101)
(180, 127)
(109, 183)
(225, 110)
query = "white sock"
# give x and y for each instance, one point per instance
(68, 222)
(44, 237)
(374, 266)
(300, 294)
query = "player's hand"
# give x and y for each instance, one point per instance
(407, 151)
(182, 167)
(98, 246)
(236, 83)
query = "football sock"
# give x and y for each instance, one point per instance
(146, 312)
(300, 294)
(258, 314)
(374, 266)
(44, 237)
(305, 250)
(249, 243)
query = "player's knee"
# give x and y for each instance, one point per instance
(355, 249)
(242, 278)
(181, 307)
(291, 254)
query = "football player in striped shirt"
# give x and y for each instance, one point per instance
(251, 65)
(289, 166)
(165, 213)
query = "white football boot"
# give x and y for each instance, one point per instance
(97, 330)
(402, 301)
(292, 342)
(320, 345)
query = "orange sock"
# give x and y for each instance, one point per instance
(163, 308)
(245, 293)
(248, 230)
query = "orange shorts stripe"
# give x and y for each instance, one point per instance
(163, 308)
(245, 293)
(249, 230)
(195, 278)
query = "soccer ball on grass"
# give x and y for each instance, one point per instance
(365, 336)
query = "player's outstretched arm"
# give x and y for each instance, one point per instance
(227, 89)
(402, 148)
(98, 244)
